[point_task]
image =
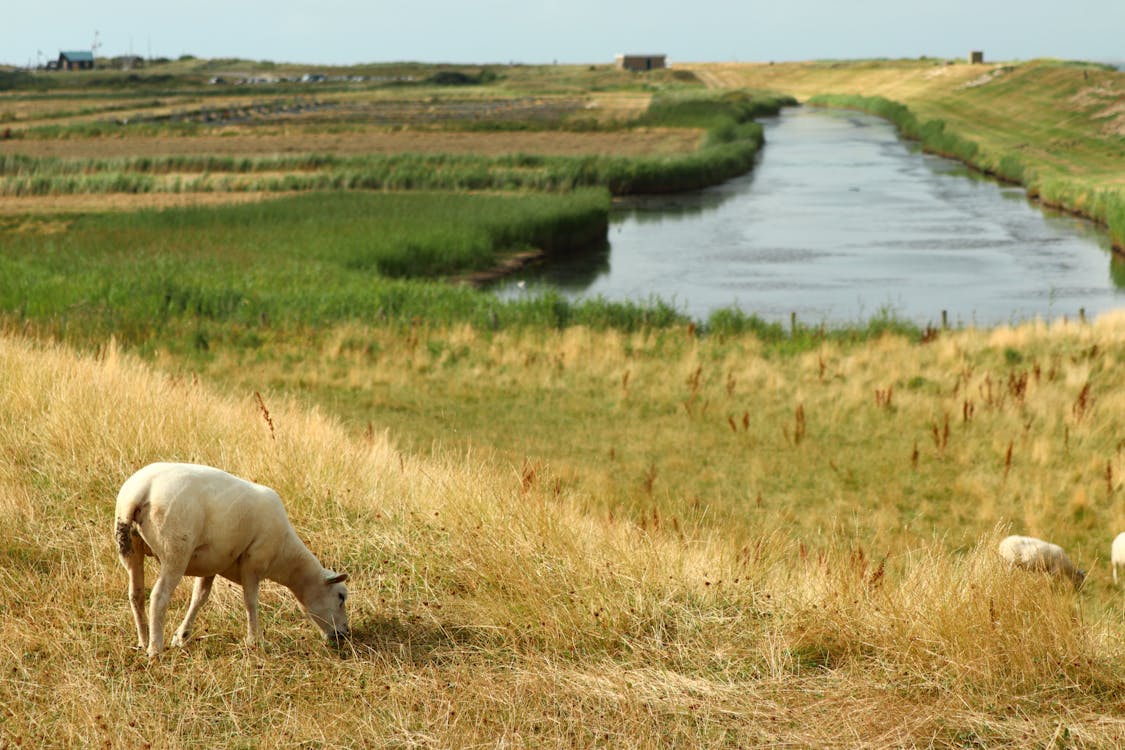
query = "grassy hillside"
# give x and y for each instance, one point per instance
(889, 441)
(507, 603)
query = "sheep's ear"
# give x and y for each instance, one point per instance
(331, 578)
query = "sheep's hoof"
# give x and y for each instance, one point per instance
(179, 639)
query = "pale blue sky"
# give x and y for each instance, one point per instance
(570, 31)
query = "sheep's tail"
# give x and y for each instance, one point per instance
(124, 535)
(127, 513)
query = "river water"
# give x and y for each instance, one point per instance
(841, 220)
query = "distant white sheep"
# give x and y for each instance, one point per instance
(201, 521)
(1035, 554)
(1117, 554)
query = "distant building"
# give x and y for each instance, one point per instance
(127, 62)
(641, 62)
(976, 57)
(76, 60)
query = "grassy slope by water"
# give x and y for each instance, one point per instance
(860, 604)
(1056, 127)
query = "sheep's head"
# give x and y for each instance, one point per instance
(325, 605)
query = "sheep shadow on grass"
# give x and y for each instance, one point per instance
(412, 640)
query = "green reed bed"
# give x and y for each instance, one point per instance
(304, 261)
(621, 175)
(712, 109)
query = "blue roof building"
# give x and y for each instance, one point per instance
(76, 60)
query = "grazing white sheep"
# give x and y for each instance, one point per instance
(1117, 554)
(1035, 554)
(201, 521)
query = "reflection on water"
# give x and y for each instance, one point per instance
(575, 274)
(1117, 270)
(656, 208)
(838, 221)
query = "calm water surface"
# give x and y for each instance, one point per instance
(841, 220)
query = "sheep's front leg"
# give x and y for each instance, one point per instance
(199, 593)
(166, 583)
(250, 597)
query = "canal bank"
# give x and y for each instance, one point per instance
(841, 221)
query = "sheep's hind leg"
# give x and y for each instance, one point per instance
(166, 583)
(199, 593)
(134, 562)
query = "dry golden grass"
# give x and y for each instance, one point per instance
(902, 81)
(617, 105)
(18, 110)
(494, 606)
(663, 420)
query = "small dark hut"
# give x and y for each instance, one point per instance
(76, 61)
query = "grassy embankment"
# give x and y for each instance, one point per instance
(1056, 128)
(633, 536)
(825, 581)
